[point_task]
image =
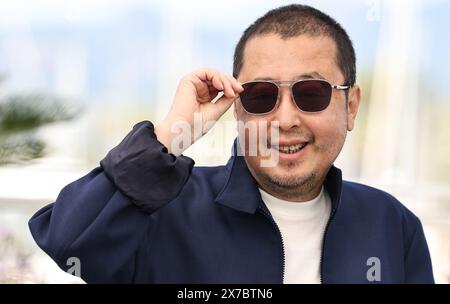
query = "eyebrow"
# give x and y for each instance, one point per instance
(310, 75)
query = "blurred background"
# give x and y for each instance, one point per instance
(75, 76)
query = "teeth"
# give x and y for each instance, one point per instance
(291, 149)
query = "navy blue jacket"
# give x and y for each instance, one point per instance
(148, 216)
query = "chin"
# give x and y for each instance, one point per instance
(288, 176)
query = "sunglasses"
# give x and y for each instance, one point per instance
(310, 95)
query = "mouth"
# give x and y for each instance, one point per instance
(290, 151)
(289, 147)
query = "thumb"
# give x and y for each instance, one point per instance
(217, 109)
(223, 104)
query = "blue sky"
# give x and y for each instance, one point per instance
(120, 41)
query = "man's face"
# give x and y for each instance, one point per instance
(298, 176)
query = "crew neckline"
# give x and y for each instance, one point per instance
(290, 209)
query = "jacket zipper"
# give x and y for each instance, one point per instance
(266, 214)
(323, 243)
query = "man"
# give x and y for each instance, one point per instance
(146, 215)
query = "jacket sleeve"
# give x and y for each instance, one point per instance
(418, 267)
(102, 219)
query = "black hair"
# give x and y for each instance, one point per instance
(294, 20)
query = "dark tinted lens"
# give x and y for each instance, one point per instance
(259, 97)
(312, 95)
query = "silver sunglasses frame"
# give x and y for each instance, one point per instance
(290, 84)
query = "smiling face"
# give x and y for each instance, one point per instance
(299, 174)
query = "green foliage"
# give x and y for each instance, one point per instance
(24, 113)
(20, 117)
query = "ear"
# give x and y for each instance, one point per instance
(354, 99)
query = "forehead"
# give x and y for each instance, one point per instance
(270, 56)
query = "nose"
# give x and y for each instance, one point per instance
(287, 112)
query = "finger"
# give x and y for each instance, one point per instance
(218, 83)
(210, 75)
(202, 90)
(206, 90)
(222, 105)
(228, 87)
(237, 86)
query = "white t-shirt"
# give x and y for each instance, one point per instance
(302, 226)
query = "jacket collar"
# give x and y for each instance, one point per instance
(240, 190)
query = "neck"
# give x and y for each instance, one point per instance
(302, 189)
(298, 194)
